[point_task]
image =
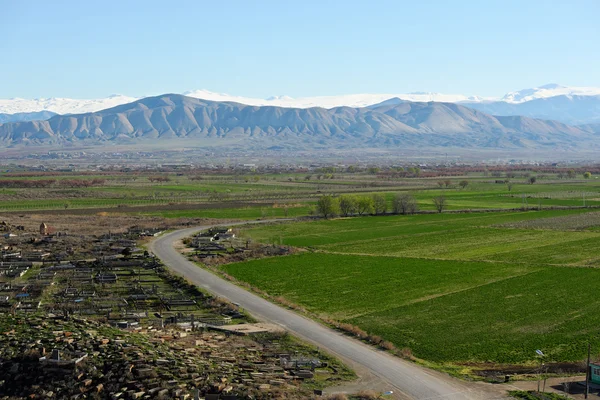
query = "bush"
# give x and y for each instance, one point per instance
(367, 395)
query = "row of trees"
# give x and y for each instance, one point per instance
(78, 183)
(448, 183)
(159, 178)
(329, 206)
(44, 183)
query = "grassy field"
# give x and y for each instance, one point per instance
(139, 190)
(454, 288)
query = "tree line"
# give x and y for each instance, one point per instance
(44, 183)
(347, 204)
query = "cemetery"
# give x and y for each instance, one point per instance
(98, 317)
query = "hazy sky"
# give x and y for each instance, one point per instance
(87, 49)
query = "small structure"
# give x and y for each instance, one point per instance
(595, 373)
(56, 359)
(44, 229)
(106, 278)
(225, 236)
(218, 230)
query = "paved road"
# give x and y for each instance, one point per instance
(413, 381)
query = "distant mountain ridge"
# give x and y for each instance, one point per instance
(175, 117)
(572, 105)
(570, 109)
(28, 116)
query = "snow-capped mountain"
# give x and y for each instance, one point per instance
(172, 118)
(546, 91)
(62, 105)
(350, 100)
(573, 105)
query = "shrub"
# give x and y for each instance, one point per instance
(367, 395)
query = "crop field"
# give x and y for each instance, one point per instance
(41, 190)
(453, 288)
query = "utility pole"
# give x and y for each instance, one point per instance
(587, 372)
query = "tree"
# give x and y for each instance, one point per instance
(447, 182)
(405, 203)
(439, 202)
(509, 185)
(440, 183)
(587, 175)
(571, 174)
(379, 203)
(348, 204)
(463, 184)
(532, 180)
(328, 206)
(364, 205)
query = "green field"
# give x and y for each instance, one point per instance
(120, 190)
(457, 288)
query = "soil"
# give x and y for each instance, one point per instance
(149, 208)
(97, 223)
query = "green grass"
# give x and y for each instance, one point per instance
(481, 193)
(453, 288)
(232, 213)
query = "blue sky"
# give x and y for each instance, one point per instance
(87, 49)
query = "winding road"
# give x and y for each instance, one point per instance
(406, 380)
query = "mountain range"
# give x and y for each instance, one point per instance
(571, 105)
(403, 124)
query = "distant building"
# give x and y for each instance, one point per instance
(595, 373)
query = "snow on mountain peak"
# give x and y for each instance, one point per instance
(76, 106)
(549, 90)
(62, 105)
(552, 86)
(283, 97)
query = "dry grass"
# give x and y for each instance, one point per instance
(368, 395)
(337, 396)
(101, 222)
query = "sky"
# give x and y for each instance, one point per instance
(91, 49)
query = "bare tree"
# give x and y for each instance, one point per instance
(439, 202)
